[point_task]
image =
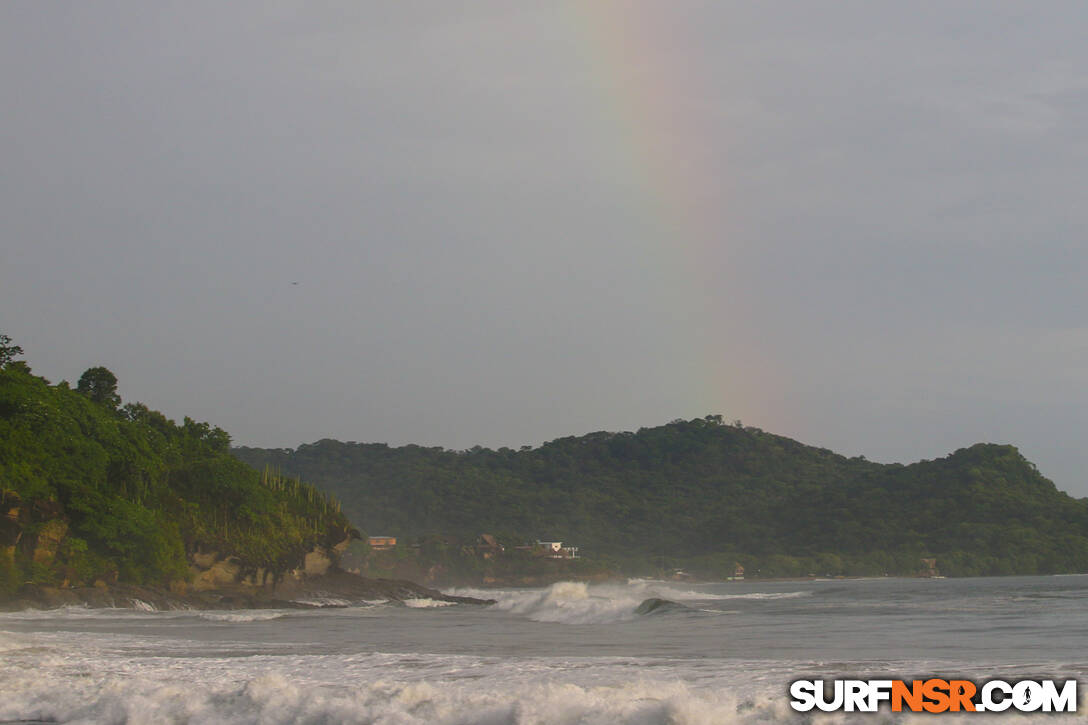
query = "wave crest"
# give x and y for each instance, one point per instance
(243, 616)
(581, 603)
(426, 603)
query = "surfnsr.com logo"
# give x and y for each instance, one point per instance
(934, 695)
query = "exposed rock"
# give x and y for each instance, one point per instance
(209, 572)
(334, 584)
(317, 562)
(204, 560)
(260, 577)
(49, 538)
(221, 574)
(216, 583)
(11, 528)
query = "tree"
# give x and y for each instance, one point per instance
(19, 366)
(100, 385)
(7, 350)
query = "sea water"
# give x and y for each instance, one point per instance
(569, 653)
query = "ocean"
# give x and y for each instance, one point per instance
(569, 653)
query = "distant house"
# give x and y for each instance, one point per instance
(382, 543)
(551, 546)
(556, 550)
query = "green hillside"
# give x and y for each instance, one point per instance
(93, 490)
(703, 495)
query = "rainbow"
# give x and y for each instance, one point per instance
(675, 151)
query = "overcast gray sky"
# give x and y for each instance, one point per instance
(858, 224)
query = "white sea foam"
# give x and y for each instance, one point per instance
(512, 693)
(324, 601)
(9, 641)
(274, 698)
(766, 595)
(666, 590)
(241, 616)
(77, 612)
(426, 602)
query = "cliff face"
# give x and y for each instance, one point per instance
(225, 582)
(213, 571)
(11, 532)
(31, 533)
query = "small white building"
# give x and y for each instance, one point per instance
(556, 550)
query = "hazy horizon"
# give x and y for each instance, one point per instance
(857, 225)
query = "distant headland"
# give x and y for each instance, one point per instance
(704, 498)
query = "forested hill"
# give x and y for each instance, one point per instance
(703, 494)
(92, 490)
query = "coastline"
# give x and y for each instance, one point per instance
(332, 589)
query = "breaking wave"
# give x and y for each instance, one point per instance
(323, 601)
(426, 602)
(766, 595)
(665, 591)
(581, 603)
(82, 611)
(571, 602)
(277, 698)
(272, 699)
(568, 603)
(242, 616)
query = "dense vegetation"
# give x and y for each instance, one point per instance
(91, 489)
(704, 495)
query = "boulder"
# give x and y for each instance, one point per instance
(317, 562)
(223, 573)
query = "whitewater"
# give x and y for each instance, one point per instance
(644, 652)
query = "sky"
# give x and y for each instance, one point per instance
(857, 224)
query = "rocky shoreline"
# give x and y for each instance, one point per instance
(333, 588)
